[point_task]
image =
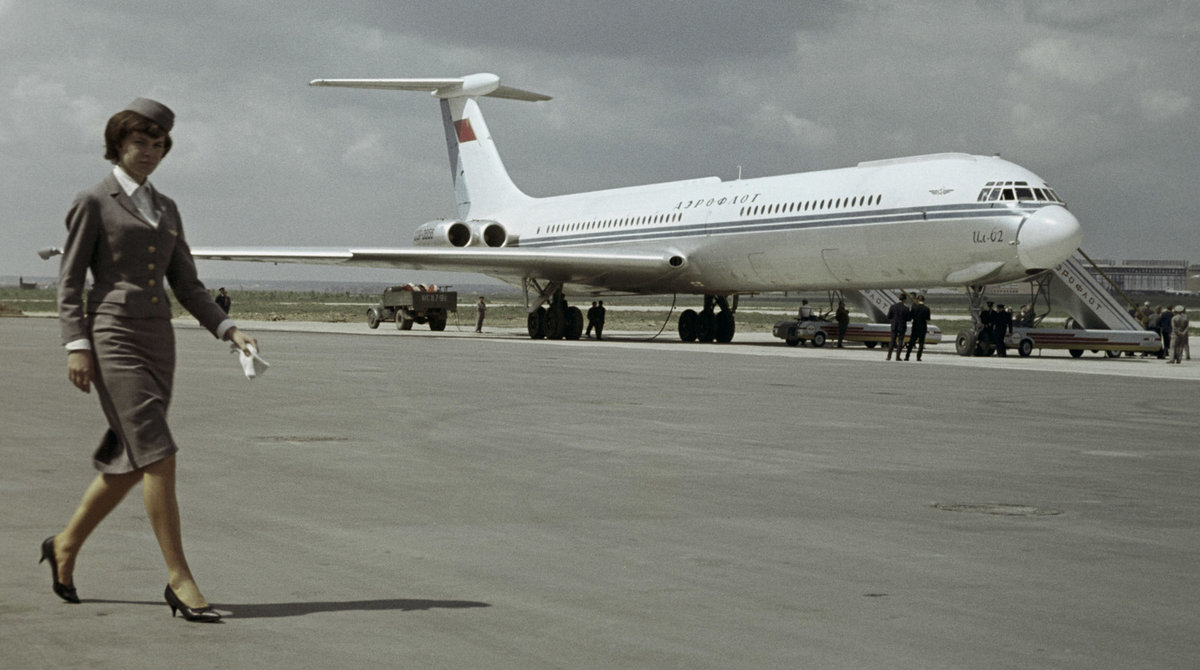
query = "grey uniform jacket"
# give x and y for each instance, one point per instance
(129, 259)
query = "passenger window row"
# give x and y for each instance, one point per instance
(812, 205)
(600, 224)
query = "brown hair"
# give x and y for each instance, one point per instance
(125, 123)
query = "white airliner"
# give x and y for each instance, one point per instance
(921, 221)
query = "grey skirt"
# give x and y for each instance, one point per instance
(134, 374)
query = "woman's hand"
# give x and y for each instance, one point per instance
(241, 340)
(79, 369)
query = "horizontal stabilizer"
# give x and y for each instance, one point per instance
(472, 85)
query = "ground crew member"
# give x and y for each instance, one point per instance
(920, 325)
(898, 315)
(843, 321)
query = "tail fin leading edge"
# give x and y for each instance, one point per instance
(481, 182)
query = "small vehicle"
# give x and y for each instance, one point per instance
(795, 332)
(1078, 340)
(413, 303)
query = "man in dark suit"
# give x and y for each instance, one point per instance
(591, 319)
(599, 318)
(986, 318)
(223, 300)
(1002, 323)
(898, 315)
(920, 325)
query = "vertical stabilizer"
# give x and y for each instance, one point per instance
(481, 183)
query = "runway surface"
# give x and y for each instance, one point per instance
(452, 500)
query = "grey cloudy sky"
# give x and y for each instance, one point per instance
(1099, 98)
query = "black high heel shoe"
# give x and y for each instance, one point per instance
(64, 591)
(201, 615)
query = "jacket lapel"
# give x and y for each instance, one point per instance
(114, 187)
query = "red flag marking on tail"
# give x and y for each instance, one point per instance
(464, 130)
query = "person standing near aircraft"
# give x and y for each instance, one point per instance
(480, 310)
(223, 300)
(591, 319)
(986, 318)
(131, 238)
(599, 318)
(920, 326)
(1179, 334)
(1163, 324)
(1001, 328)
(899, 316)
(842, 316)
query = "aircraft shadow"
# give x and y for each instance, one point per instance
(276, 610)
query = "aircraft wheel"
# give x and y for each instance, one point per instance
(1025, 348)
(372, 318)
(964, 344)
(574, 323)
(818, 339)
(536, 323)
(555, 323)
(688, 325)
(726, 326)
(1112, 354)
(1075, 353)
(706, 326)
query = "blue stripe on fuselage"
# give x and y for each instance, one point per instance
(785, 223)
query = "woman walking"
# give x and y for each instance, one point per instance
(131, 238)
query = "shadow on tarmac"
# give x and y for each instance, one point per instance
(277, 610)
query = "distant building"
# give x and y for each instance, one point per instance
(1145, 276)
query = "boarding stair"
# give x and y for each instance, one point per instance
(1099, 322)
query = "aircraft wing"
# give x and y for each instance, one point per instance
(615, 269)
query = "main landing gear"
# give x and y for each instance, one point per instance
(709, 325)
(555, 320)
(968, 342)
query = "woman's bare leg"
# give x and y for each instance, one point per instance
(158, 489)
(101, 497)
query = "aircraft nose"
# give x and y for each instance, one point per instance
(1048, 237)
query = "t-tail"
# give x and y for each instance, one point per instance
(482, 186)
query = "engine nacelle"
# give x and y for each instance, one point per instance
(488, 233)
(460, 234)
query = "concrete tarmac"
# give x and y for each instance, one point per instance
(453, 500)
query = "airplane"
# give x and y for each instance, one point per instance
(937, 220)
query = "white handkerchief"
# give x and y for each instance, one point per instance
(252, 364)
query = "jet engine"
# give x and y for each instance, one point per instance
(445, 233)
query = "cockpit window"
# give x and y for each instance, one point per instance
(1016, 191)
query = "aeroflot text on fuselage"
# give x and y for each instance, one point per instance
(726, 200)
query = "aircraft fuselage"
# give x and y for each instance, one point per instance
(914, 222)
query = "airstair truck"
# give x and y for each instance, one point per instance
(1098, 320)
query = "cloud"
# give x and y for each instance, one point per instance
(1081, 93)
(1070, 62)
(1160, 106)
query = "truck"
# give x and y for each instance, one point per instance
(413, 303)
